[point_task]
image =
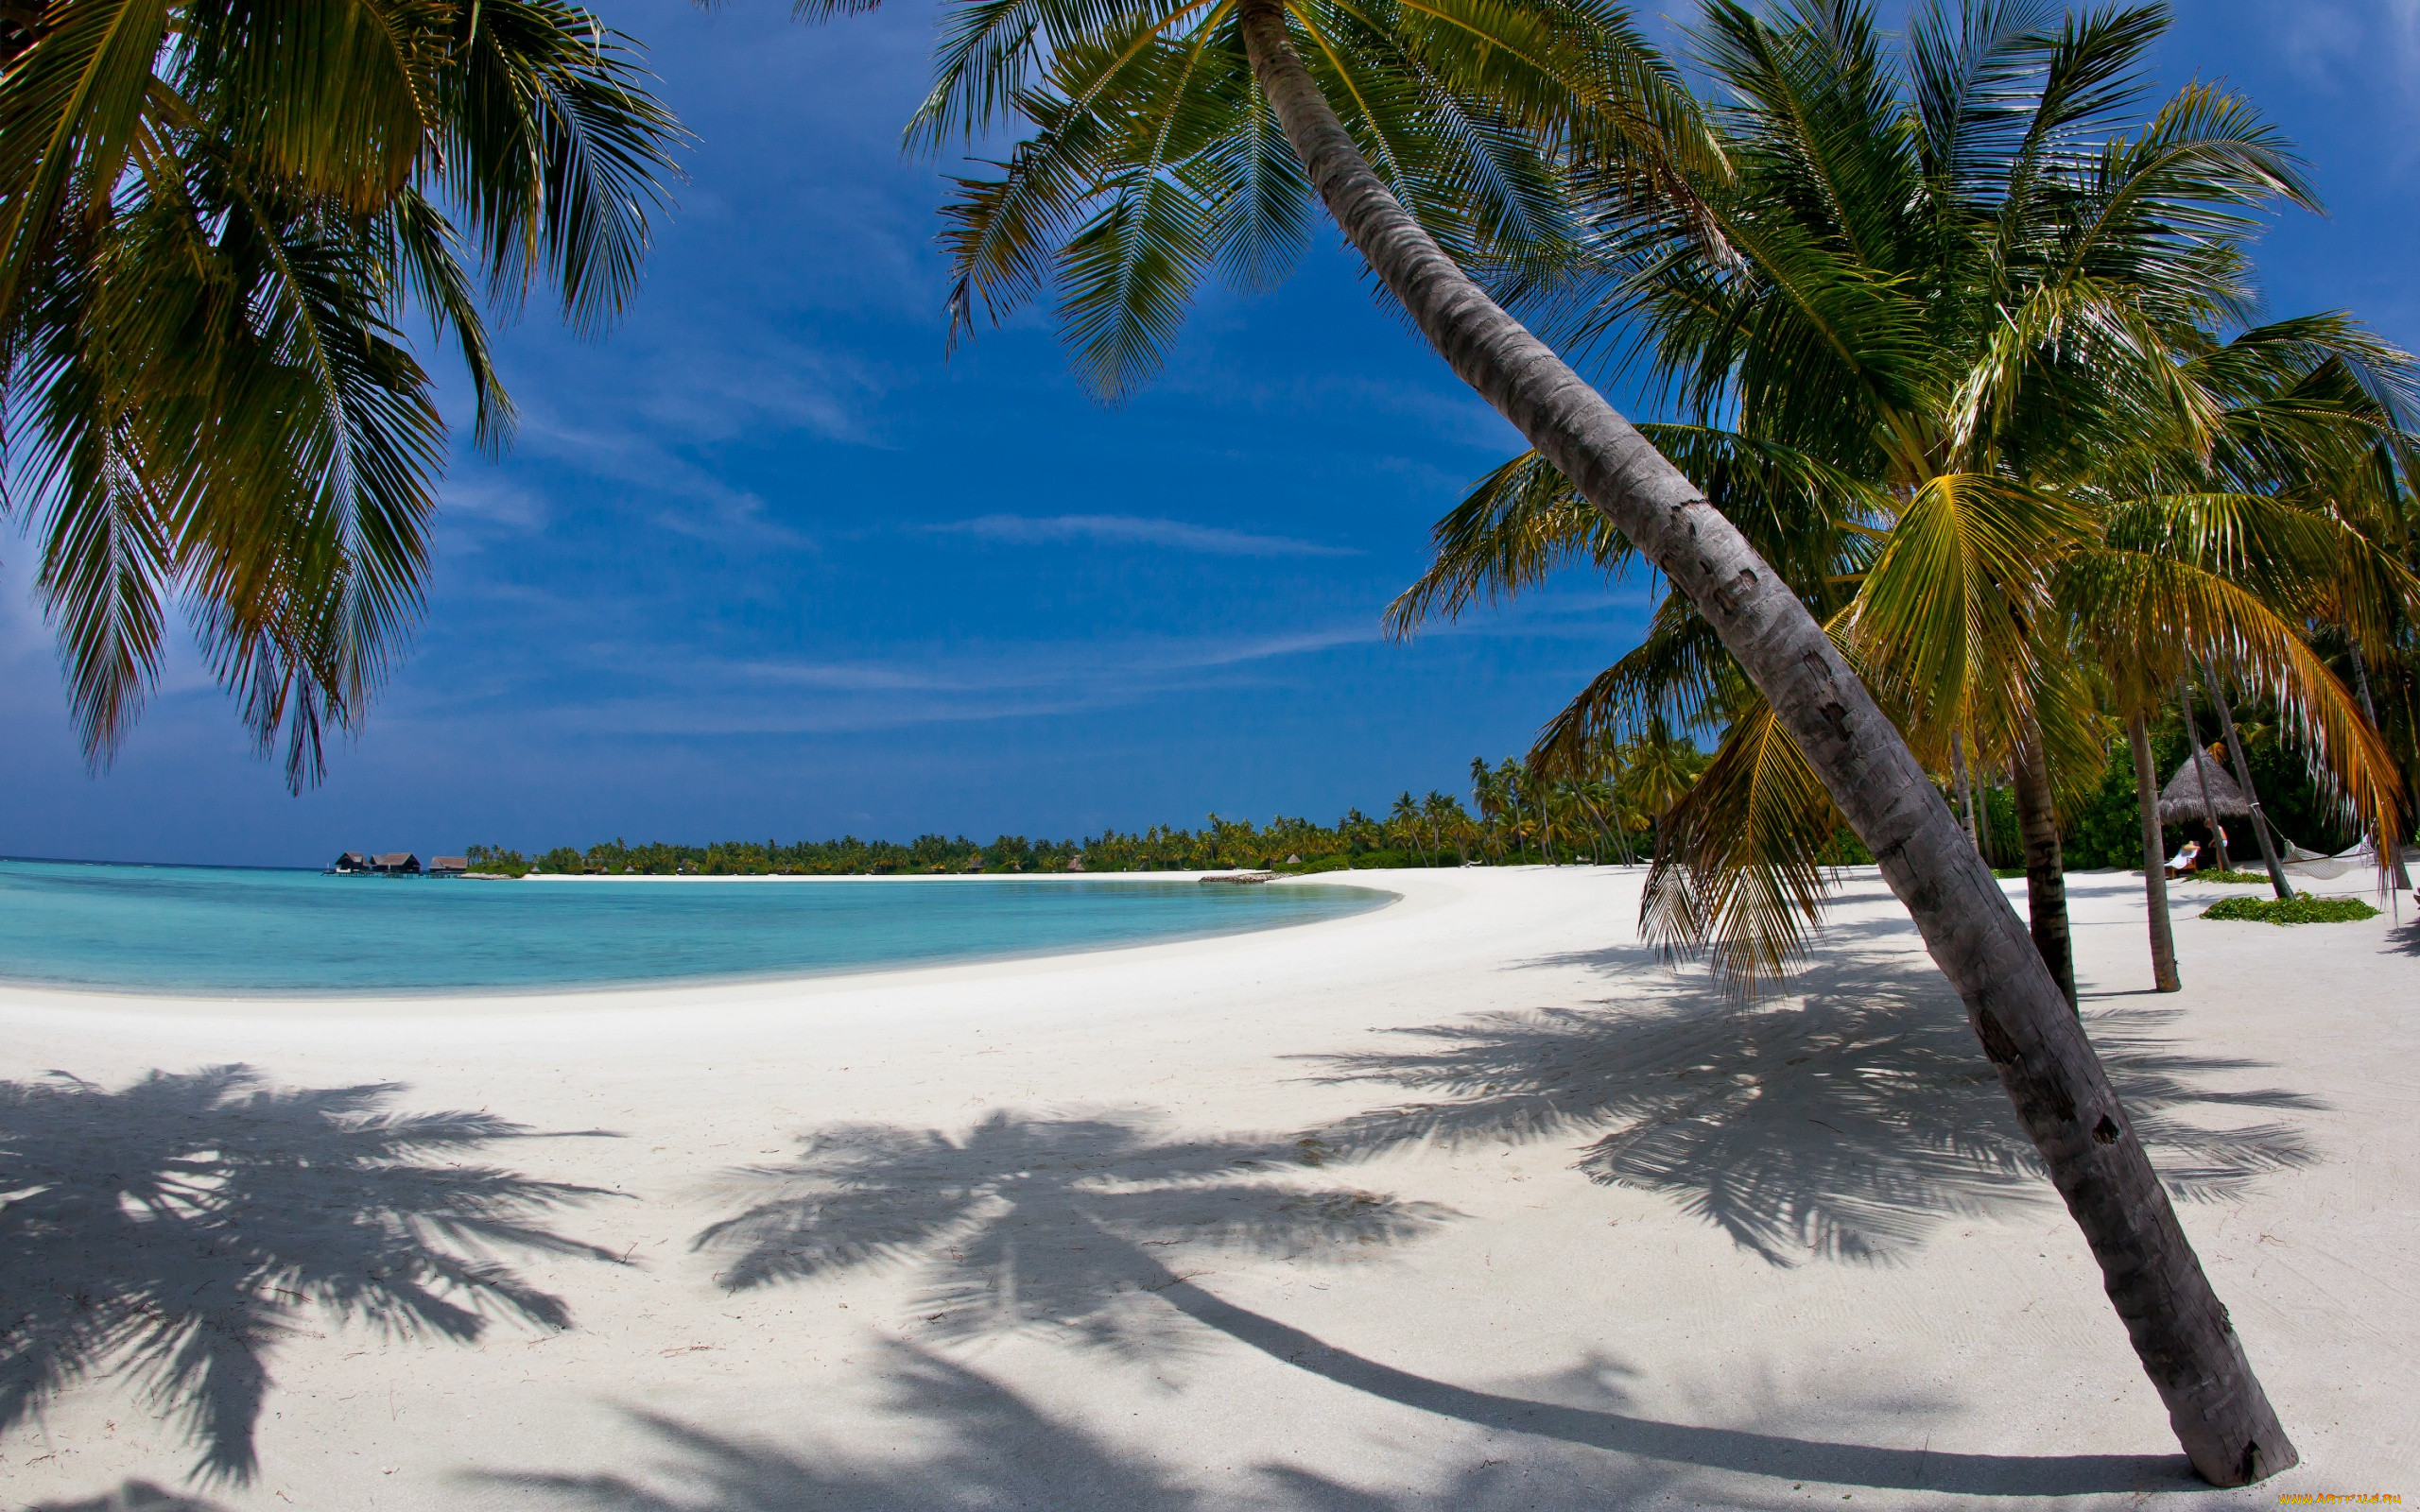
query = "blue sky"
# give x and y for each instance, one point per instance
(763, 564)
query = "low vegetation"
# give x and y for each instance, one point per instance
(1608, 813)
(2301, 910)
(496, 861)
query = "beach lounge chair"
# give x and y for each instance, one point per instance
(2185, 859)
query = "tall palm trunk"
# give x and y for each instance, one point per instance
(2046, 868)
(2060, 1092)
(1983, 815)
(1965, 788)
(2251, 795)
(2138, 738)
(2390, 847)
(2202, 772)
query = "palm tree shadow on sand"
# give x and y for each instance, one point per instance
(134, 1496)
(1077, 1227)
(1847, 1121)
(1095, 1230)
(171, 1231)
(980, 1445)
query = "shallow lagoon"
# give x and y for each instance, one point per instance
(204, 931)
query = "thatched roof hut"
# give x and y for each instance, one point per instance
(2180, 801)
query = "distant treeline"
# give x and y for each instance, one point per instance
(1512, 818)
(1610, 815)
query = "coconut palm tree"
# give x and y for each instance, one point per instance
(1488, 797)
(214, 215)
(1973, 337)
(1440, 813)
(1406, 824)
(1441, 131)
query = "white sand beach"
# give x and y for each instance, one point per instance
(1464, 1204)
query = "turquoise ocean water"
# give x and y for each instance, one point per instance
(205, 931)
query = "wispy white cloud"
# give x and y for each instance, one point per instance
(481, 509)
(1115, 671)
(2335, 42)
(662, 691)
(1176, 534)
(733, 519)
(704, 506)
(670, 691)
(708, 395)
(723, 386)
(595, 679)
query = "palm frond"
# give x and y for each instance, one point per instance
(1952, 604)
(69, 114)
(2158, 617)
(1740, 876)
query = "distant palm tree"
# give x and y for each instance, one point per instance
(1487, 795)
(1438, 810)
(1405, 822)
(214, 215)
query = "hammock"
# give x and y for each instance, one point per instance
(2311, 864)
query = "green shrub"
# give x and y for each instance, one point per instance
(1367, 861)
(2258, 878)
(2108, 830)
(2292, 910)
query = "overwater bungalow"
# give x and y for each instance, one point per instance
(396, 864)
(351, 864)
(448, 865)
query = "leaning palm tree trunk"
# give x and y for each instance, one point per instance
(2061, 1093)
(2202, 773)
(2138, 737)
(2251, 794)
(2046, 867)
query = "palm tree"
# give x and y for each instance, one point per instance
(2164, 976)
(2261, 834)
(1431, 132)
(1487, 794)
(1660, 770)
(214, 215)
(2374, 498)
(1404, 823)
(2297, 421)
(1975, 336)
(1438, 812)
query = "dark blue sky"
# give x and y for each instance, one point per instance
(763, 564)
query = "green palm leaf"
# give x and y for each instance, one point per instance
(212, 216)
